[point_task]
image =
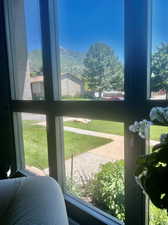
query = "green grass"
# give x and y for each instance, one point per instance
(79, 143)
(114, 128)
(100, 126)
(156, 131)
(35, 144)
(35, 140)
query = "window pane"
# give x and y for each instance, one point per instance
(159, 61)
(156, 216)
(91, 49)
(27, 55)
(94, 162)
(35, 143)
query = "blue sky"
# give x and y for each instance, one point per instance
(159, 22)
(84, 22)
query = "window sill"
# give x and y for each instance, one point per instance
(79, 211)
(85, 214)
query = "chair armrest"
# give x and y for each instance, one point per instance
(32, 201)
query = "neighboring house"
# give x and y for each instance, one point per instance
(71, 86)
(37, 87)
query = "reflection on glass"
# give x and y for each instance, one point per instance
(91, 49)
(28, 67)
(34, 48)
(94, 162)
(159, 58)
(157, 216)
(35, 143)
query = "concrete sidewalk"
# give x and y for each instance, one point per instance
(87, 164)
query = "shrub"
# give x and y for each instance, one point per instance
(106, 192)
(157, 216)
(107, 189)
(73, 188)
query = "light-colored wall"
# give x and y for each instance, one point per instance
(71, 88)
(38, 89)
(18, 51)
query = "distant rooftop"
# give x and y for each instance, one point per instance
(40, 78)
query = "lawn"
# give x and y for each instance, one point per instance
(99, 125)
(35, 140)
(35, 144)
(156, 131)
(113, 128)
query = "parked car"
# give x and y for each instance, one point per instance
(113, 96)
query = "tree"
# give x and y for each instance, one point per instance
(159, 69)
(103, 70)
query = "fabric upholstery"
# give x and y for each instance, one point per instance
(31, 201)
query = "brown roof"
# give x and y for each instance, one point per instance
(36, 79)
(63, 76)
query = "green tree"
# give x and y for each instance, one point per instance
(102, 69)
(159, 69)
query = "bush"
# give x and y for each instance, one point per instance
(106, 192)
(73, 188)
(107, 189)
(157, 216)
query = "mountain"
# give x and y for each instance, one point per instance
(35, 61)
(71, 61)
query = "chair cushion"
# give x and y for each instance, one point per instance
(32, 201)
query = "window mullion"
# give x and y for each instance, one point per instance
(136, 51)
(136, 69)
(52, 88)
(16, 46)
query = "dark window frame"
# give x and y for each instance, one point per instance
(134, 107)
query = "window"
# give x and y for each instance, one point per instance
(27, 59)
(53, 82)
(94, 163)
(91, 50)
(159, 76)
(35, 143)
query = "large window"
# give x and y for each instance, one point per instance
(94, 163)
(35, 143)
(91, 50)
(159, 51)
(100, 56)
(27, 59)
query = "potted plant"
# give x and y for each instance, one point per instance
(152, 169)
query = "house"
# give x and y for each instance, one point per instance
(71, 86)
(37, 87)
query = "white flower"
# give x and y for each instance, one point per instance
(166, 114)
(141, 128)
(134, 127)
(157, 114)
(144, 126)
(164, 138)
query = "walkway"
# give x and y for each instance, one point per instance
(87, 164)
